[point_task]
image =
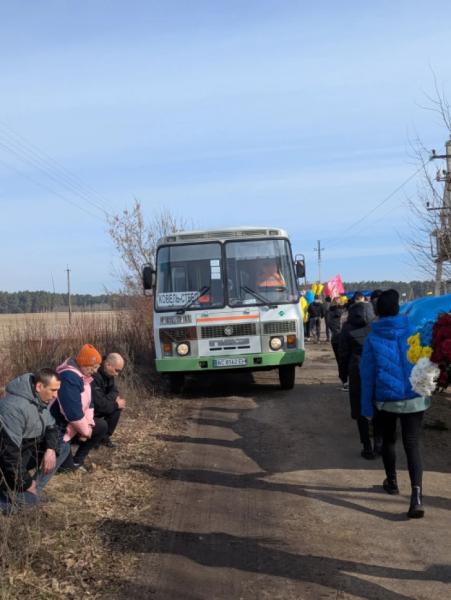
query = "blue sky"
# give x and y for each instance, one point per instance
(257, 112)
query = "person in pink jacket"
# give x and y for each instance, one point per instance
(73, 411)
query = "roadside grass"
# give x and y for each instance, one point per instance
(56, 550)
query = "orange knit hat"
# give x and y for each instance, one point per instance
(88, 356)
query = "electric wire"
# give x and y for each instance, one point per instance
(30, 154)
(48, 160)
(52, 191)
(336, 241)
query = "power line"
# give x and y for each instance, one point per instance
(30, 154)
(52, 191)
(336, 241)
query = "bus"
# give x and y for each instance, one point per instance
(226, 300)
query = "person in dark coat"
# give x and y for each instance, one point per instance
(28, 437)
(316, 313)
(108, 405)
(352, 337)
(334, 318)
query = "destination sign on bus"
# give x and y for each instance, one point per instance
(170, 299)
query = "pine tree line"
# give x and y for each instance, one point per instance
(40, 301)
(411, 289)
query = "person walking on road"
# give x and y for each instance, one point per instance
(316, 313)
(352, 337)
(385, 372)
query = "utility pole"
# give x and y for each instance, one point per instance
(443, 233)
(68, 294)
(319, 250)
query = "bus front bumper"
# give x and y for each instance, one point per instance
(263, 360)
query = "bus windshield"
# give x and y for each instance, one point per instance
(190, 276)
(259, 272)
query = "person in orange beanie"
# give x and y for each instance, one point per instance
(73, 411)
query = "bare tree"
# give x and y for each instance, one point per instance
(136, 241)
(426, 212)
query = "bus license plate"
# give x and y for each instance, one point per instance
(229, 362)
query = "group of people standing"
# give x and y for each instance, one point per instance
(369, 339)
(43, 414)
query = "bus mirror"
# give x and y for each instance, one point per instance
(300, 269)
(148, 278)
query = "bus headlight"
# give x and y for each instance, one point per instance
(183, 349)
(276, 343)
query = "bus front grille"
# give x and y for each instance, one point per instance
(222, 331)
(274, 327)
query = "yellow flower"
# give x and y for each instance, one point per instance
(426, 352)
(413, 354)
(414, 340)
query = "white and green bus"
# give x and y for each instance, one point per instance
(216, 308)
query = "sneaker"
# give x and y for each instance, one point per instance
(391, 486)
(344, 387)
(80, 467)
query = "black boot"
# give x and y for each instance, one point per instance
(367, 452)
(416, 508)
(391, 486)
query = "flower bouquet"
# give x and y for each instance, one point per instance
(430, 351)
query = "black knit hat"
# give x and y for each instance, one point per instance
(388, 304)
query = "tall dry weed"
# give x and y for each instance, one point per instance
(43, 342)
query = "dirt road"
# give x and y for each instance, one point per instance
(263, 494)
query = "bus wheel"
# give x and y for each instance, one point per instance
(287, 374)
(176, 381)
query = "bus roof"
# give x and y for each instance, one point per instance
(228, 233)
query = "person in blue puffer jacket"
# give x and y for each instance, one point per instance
(385, 372)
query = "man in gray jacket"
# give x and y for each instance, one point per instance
(28, 437)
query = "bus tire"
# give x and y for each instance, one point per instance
(176, 381)
(287, 375)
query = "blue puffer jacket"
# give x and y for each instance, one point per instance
(384, 368)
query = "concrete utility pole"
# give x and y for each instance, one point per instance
(68, 294)
(443, 233)
(319, 250)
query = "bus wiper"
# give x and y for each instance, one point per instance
(258, 296)
(193, 300)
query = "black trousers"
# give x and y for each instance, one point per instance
(111, 420)
(98, 433)
(410, 431)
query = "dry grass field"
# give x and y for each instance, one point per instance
(55, 322)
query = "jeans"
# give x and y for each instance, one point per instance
(410, 430)
(315, 326)
(11, 504)
(42, 479)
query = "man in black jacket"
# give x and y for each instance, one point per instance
(28, 436)
(316, 313)
(108, 404)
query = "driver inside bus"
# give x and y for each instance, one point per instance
(269, 276)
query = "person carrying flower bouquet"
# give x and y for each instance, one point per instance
(385, 371)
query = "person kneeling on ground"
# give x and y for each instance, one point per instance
(28, 438)
(385, 372)
(74, 412)
(108, 405)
